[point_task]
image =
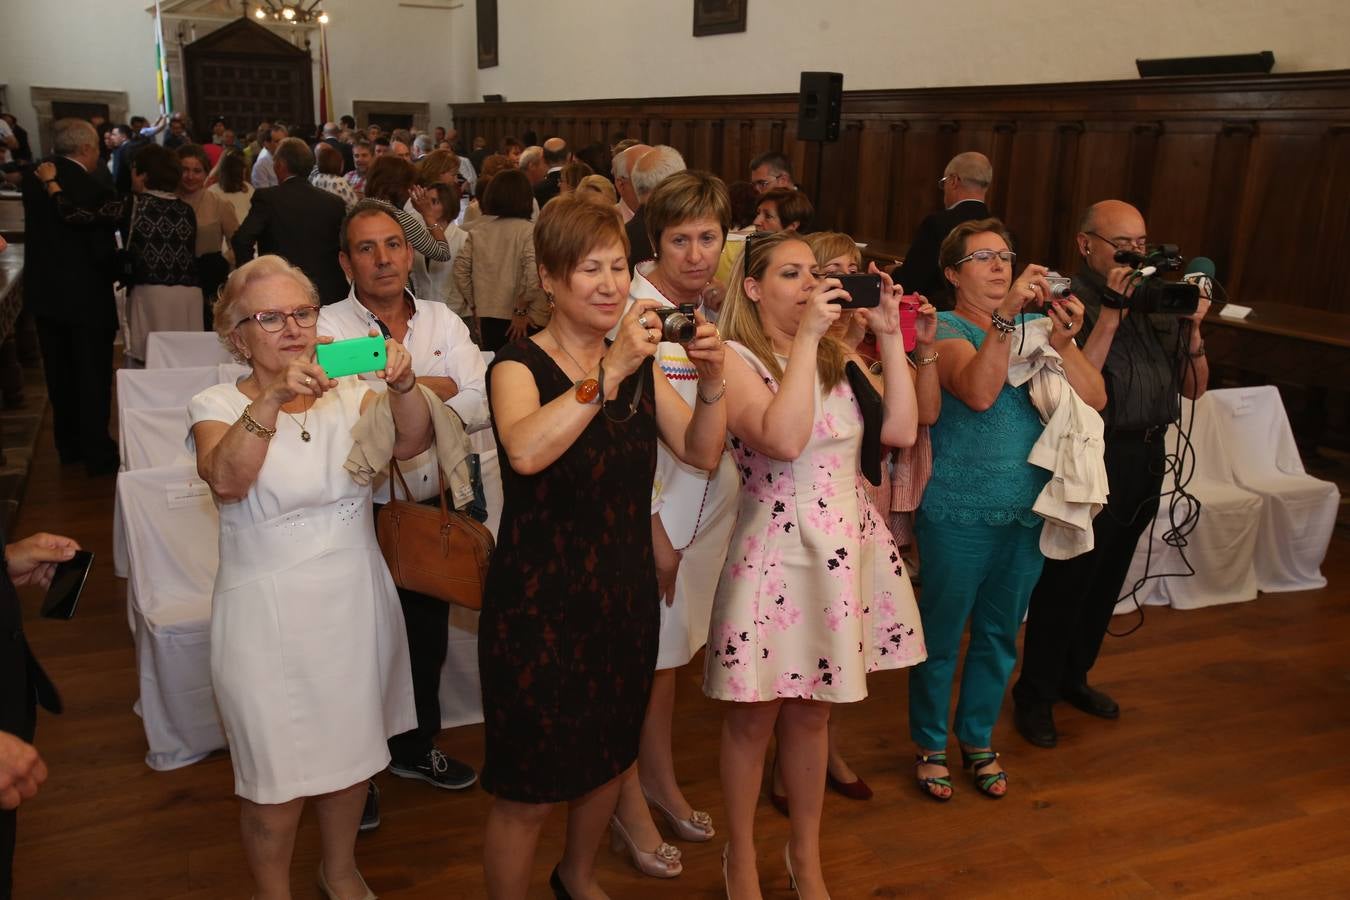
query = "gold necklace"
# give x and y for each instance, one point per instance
(583, 369)
(304, 433)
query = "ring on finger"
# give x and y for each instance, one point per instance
(642, 320)
(308, 380)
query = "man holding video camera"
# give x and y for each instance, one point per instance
(1148, 360)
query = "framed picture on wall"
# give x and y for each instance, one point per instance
(487, 34)
(719, 16)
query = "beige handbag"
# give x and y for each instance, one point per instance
(442, 553)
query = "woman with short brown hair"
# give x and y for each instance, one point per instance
(577, 421)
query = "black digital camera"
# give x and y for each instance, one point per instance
(1151, 293)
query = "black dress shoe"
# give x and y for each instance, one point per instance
(1036, 722)
(1091, 701)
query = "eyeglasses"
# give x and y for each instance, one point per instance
(986, 256)
(942, 182)
(1123, 243)
(273, 320)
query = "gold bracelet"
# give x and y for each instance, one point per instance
(927, 360)
(711, 400)
(253, 426)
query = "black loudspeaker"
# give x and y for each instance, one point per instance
(1237, 64)
(818, 106)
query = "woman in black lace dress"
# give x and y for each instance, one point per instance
(568, 636)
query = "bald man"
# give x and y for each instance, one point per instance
(965, 182)
(556, 156)
(1148, 362)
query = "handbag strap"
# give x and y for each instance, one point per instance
(440, 478)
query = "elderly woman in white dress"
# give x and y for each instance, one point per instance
(309, 659)
(693, 512)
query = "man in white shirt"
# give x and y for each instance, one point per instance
(377, 259)
(264, 174)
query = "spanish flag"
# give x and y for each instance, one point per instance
(161, 68)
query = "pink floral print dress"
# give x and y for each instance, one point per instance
(813, 595)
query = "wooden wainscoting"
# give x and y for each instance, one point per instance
(1253, 172)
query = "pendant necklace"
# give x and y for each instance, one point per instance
(304, 433)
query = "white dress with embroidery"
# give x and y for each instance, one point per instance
(309, 657)
(813, 595)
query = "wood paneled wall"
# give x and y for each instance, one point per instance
(1253, 172)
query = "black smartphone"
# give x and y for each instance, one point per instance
(64, 592)
(864, 290)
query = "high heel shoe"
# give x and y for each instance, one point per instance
(559, 889)
(726, 879)
(792, 879)
(330, 894)
(856, 789)
(697, 828)
(663, 862)
(978, 761)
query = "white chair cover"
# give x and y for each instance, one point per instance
(158, 389)
(461, 699)
(154, 437)
(1299, 511)
(1221, 546)
(184, 349)
(172, 543)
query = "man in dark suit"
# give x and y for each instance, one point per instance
(332, 136)
(297, 221)
(965, 182)
(68, 288)
(556, 156)
(23, 684)
(650, 169)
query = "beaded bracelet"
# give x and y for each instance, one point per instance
(1007, 326)
(253, 426)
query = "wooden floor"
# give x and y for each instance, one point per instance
(1227, 774)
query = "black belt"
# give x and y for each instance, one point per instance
(1147, 435)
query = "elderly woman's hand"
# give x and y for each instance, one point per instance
(398, 371)
(1030, 288)
(1066, 320)
(925, 324)
(300, 378)
(639, 333)
(707, 352)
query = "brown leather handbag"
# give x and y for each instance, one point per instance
(442, 553)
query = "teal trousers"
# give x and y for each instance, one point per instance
(984, 574)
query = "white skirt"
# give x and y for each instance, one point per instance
(309, 656)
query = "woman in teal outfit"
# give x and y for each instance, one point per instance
(978, 538)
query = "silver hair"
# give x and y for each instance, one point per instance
(424, 143)
(530, 155)
(69, 135)
(237, 288)
(654, 167)
(971, 168)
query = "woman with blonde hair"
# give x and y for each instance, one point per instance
(598, 187)
(812, 596)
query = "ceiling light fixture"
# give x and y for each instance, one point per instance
(292, 12)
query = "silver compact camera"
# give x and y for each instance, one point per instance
(678, 324)
(1060, 286)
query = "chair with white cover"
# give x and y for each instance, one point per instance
(1221, 546)
(154, 437)
(1299, 511)
(184, 349)
(460, 694)
(172, 543)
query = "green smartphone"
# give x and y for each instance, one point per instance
(350, 357)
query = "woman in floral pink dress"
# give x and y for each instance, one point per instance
(813, 596)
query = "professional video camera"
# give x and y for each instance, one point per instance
(1151, 293)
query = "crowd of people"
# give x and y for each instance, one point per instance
(701, 448)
